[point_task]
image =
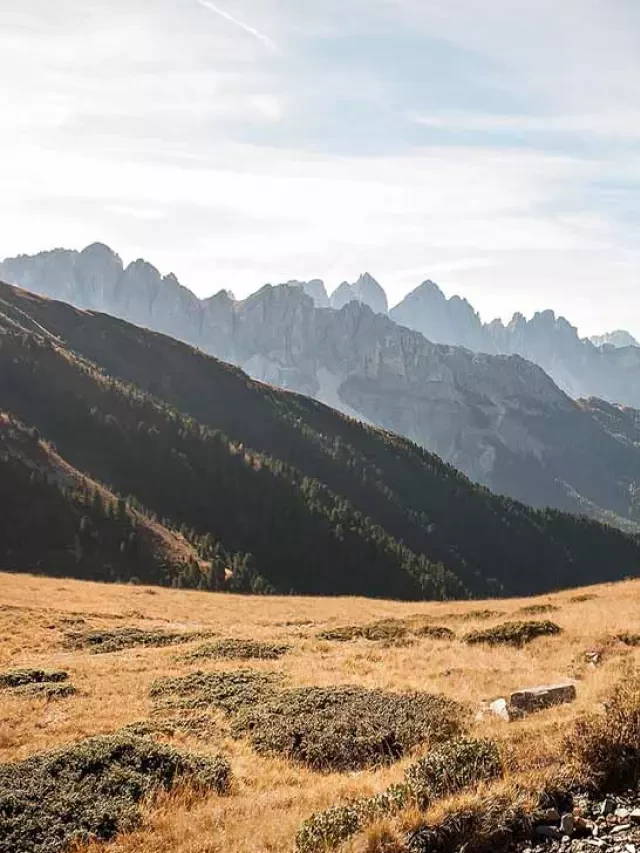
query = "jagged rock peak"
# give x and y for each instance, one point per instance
(366, 290)
(315, 289)
(619, 339)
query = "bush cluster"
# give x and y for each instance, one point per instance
(105, 640)
(228, 691)
(387, 630)
(346, 728)
(537, 609)
(233, 649)
(21, 677)
(513, 633)
(326, 728)
(92, 789)
(445, 770)
(45, 690)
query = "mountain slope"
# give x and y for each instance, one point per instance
(320, 502)
(501, 420)
(57, 520)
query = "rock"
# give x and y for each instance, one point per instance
(608, 806)
(622, 813)
(594, 657)
(551, 815)
(622, 827)
(549, 832)
(567, 824)
(500, 708)
(634, 816)
(537, 698)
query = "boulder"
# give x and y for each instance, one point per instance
(537, 698)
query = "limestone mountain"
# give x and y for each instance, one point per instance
(366, 290)
(620, 338)
(275, 489)
(499, 418)
(578, 366)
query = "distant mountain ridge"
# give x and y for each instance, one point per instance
(498, 418)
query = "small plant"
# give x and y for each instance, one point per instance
(537, 609)
(92, 790)
(236, 650)
(387, 629)
(46, 690)
(21, 677)
(107, 640)
(606, 747)
(435, 632)
(629, 639)
(516, 634)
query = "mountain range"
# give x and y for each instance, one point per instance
(258, 489)
(500, 418)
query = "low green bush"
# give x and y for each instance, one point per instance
(346, 728)
(233, 649)
(445, 770)
(92, 789)
(228, 691)
(513, 633)
(105, 640)
(21, 677)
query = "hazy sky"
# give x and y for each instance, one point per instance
(491, 145)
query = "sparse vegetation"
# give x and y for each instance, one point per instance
(445, 770)
(513, 633)
(45, 691)
(236, 650)
(106, 640)
(21, 677)
(537, 609)
(629, 639)
(605, 747)
(92, 789)
(387, 630)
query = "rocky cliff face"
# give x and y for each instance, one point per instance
(499, 418)
(578, 366)
(619, 339)
(366, 290)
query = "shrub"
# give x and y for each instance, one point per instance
(387, 629)
(46, 690)
(629, 639)
(513, 633)
(107, 640)
(537, 609)
(436, 632)
(92, 789)
(22, 677)
(445, 770)
(236, 650)
(346, 728)
(605, 748)
(229, 691)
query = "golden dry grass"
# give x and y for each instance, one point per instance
(272, 797)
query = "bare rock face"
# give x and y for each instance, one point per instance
(619, 339)
(365, 290)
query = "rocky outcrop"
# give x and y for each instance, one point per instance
(366, 290)
(619, 339)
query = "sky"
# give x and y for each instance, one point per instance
(490, 145)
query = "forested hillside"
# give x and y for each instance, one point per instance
(295, 495)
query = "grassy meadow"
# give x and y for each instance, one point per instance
(270, 795)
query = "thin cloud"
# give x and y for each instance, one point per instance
(261, 37)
